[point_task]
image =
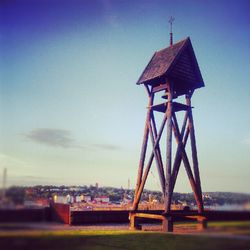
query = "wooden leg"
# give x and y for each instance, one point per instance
(167, 224)
(202, 224)
(178, 158)
(194, 155)
(146, 172)
(142, 157)
(187, 166)
(158, 147)
(158, 159)
(134, 222)
(168, 186)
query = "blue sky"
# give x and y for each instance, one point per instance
(71, 112)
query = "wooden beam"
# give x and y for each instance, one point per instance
(194, 154)
(159, 87)
(155, 136)
(177, 161)
(148, 90)
(149, 216)
(187, 166)
(134, 225)
(143, 150)
(157, 149)
(158, 158)
(178, 158)
(168, 185)
(146, 171)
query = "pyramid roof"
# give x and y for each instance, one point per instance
(176, 63)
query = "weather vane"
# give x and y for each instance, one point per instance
(171, 20)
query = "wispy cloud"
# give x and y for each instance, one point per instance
(51, 137)
(63, 138)
(106, 146)
(33, 177)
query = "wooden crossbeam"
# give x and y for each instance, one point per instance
(157, 156)
(143, 151)
(155, 153)
(187, 165)
(149, 216)
(158, 147)
(196, 217)
(169, 112)
(146, 171)
(158, 151)
(177, 160)
(159, 88)
(194, 154)
(162, 107)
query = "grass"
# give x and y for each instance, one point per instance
(223, 224)
(102, 240)
(130, 240)
(232, 227)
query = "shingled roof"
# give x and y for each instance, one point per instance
(176, 63)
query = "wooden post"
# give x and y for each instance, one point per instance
(177, 161)
(186, 164)
(158, 161)
(169, 150)
(134, 225)
(145, 175)
(167, 224)
(143, 152)
(194, 154)
(202, 223)
(158, 152)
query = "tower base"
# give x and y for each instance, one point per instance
(167, 220)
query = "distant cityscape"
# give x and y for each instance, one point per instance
(94, 197)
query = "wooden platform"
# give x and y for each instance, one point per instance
(162, 107)
(167, 220)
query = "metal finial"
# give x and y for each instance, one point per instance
(171, 20)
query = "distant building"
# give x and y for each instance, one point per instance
(86, 198)
(65, 199)
(36, 203)
(102, 199)
(61, 199)
(207, 196)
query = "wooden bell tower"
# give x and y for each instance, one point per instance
(175, 73)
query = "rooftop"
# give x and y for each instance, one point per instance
(175, 63)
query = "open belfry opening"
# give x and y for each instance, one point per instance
(172, 72)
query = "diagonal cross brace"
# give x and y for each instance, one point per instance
(186, 162)
(178, 158)
(157, 155)
(146, 171)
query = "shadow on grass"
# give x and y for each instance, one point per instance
(131, 241)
